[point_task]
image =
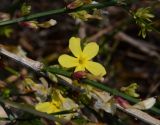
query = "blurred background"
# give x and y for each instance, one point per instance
(127, 56)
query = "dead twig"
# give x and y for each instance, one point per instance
(140, 115)
(141, 45)
(35, 65)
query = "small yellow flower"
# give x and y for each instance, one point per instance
(47, 107)
(82, 59)
(57, 104)
(52, 106)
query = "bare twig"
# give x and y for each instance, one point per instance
(107, 30)
(153, 88)
(140, 115)
(141, 45)
(100, 33)
(35, 65)
(82, 30)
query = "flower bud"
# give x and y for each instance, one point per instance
(122, 102)
(47, 24)
(29, 24)
(25, 9)
(36, 25)
(79, 75)
(131, 90)
(4, 16)
(75, 4)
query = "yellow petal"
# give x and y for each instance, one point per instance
(80, 68)
(67, 61)
(46, 107)
(91, 50)
(75, 46)
(95, 68)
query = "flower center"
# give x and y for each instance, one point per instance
(81, 60)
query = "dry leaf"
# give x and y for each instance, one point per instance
(146, 104)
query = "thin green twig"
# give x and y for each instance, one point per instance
(59, 11)
(12, 71)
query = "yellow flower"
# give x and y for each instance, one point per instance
(58, 103)
(53, 106)
(47, 107)
(82, 59)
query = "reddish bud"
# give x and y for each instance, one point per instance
(71, 6)
(29, 24)
(24, 24)
(122, 102)
(75, 4)
(79, 75)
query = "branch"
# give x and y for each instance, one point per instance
(140, 115)
(141, 45)
(59, 11)
(34, 65)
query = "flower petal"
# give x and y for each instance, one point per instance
(47, 107)
(79, 68)
(91, 50)
(95, 68)
(75, 46)
(67, 61)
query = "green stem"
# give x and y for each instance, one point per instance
(4, 119)
(11, 70)
(58, 11)
(99, 86)
(110, 90)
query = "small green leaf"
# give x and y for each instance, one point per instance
(25, 9)
(6, 31)
(143, 18)
(131, 90)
